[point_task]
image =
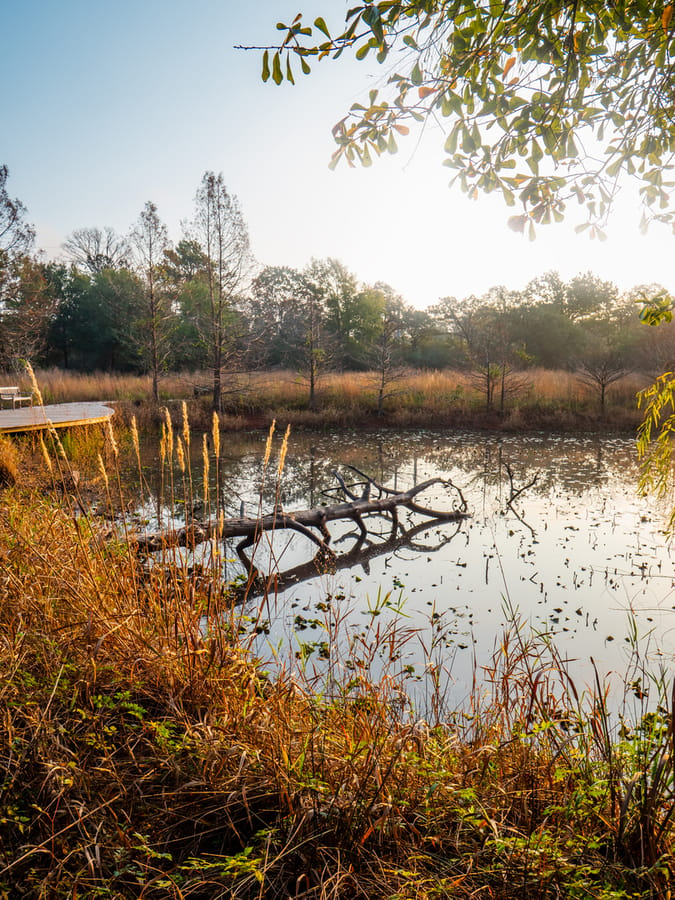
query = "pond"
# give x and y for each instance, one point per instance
(576, 556)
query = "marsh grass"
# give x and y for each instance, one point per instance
(9, 468)
(146, 751)
(542, 399)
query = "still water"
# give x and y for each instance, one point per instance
(577, 556)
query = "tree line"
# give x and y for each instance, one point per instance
(138, 303)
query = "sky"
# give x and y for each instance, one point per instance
(106, 106)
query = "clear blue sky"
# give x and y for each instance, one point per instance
(106, 106)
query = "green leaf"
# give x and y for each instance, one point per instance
(289, 72)
(372, 18)
(321, 25)
(451, 140)
(277, 76)
(416, 75)
(305, 65)
(362, 52)
(266, 66)
(468, 143)
(614, 168)
(572, 150)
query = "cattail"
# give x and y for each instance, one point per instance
(186, 427)
(45, 453)
(111, 437)
(215, 430)
(180, 454)
(268, 445)
(205, 461)
(282, 453)
(134, 438)
(101, 466)
(169, 433)
(34, 384)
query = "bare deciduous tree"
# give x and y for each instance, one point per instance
(21, 282)
(149, 241)
(16, 235)
(94, 250)
(220, 228)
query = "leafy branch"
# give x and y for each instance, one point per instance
(523, 89)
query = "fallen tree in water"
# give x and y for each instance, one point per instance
(374, 500)
(359, 554)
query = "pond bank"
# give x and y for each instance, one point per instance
(516, 421)
(144, 757)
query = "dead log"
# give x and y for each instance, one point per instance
(375, 499)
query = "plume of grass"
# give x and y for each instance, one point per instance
(283, 452)
(205, 470)
(34, 384)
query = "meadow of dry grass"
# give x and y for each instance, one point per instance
(146, 752)
(536, 399)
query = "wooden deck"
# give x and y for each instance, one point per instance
(60, 415)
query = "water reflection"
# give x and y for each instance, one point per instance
(577, 554)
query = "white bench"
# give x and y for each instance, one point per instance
(14, 396)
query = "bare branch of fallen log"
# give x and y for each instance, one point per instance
(369, 486)
(303, 520)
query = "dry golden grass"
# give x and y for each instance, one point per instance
(535, 398)
(9, 466)
(145, 753)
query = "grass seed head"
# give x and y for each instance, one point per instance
(186, 426)
(34, 384)
(215, 431)
(283, 451)
(102, 470)
(180, 454)
(60, 449)
(169, 433)
(268, 445)
(205, 464)
(111, 438)
(134, 438)
(45, 455)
